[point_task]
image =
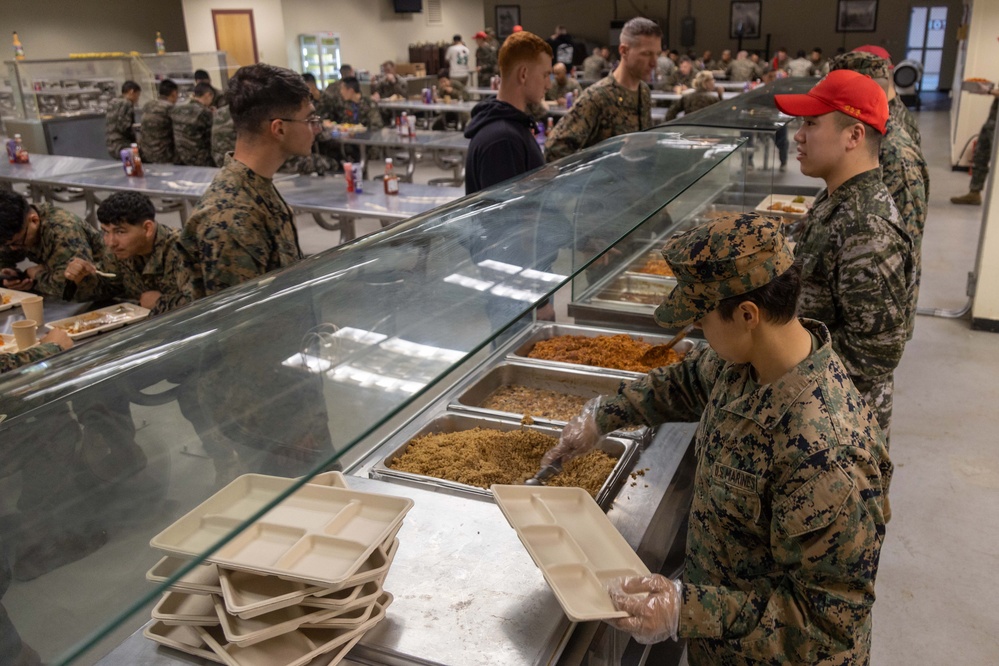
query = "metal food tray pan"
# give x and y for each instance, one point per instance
(636, 289)
(623, 448)
(547, 332)
(576, 381)
(633, 267)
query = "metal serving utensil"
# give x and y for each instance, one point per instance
(545, 473)
(657, 355)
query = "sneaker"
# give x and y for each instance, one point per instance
(783, 168)
(972, 198)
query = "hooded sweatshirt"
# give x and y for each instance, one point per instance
(502, 146)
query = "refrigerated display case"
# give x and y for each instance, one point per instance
(320, 56)
(180, 66)
(335, 362)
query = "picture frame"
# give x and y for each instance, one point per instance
(857, 16)
(507, 16)
(744, 19)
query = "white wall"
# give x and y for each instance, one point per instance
(268, 22)
(371, 32)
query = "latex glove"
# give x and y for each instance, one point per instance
(653, 603)
(580, 435)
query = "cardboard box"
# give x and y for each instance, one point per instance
(411, 69)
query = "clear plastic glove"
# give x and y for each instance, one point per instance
(653, 603)
(580, 435)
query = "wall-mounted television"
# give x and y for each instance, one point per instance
(408, 6)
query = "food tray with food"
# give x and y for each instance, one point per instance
(786, 205)
(10, 298)
(299, 647)
(202, 579)
(464, 454)
(574, 544)
(977, 86)
(8, 344)
(615, 347)
(185, 639)
(98, 321)
(319, 535)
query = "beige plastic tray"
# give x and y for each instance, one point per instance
(299, 647)
(202, 579)
(109, 318)
(320, 535)
(13, 299)
(184, 638)
(181, 608)
(256, 630)
(764, 206)
(358, 597)
(573, 543)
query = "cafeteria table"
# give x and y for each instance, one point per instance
(42, 167)
(390, 139)
(432, 110)
(482, 92)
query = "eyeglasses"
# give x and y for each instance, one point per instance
(315, 121)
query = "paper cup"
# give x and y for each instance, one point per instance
(32, 308)
(25, 333)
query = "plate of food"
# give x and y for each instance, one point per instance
(7, 344)
(10, 298)
(98, 321)
(977, 86)
(787, 205)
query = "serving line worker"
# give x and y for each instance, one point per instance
(790, 489)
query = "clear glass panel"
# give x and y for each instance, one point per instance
(917, 27)
(306, 368)
(937, 28)
(45, 89)
(180, 68)
(914, 54)
(931, 65)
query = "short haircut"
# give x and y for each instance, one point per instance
(639, 27)
(800, 54)
(818, 50)
(352, 83)
(873, 136)
(456, 38)
(166, 88)
(346, 70)
(258, 93)
(13, 213)
(203, 88)
(309, 77)
(685, 59)
(445, 73)
(388, 63)
(519, 48)
(129, 86)
(702, 79)
(777, 299)
(132, 208)
(202, 75)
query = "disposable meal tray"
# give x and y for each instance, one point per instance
(245, 633)
(190, 609)
(185, 639)
(319, 535)
(15, 298)
(574, 544)
(299, 647)
(547, 332)
(8, 343)
(202, 579)
(113, 316)
(764, 206)
(624, 449)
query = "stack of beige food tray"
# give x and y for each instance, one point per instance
(302, 581)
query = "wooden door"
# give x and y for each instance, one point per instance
(234, 34)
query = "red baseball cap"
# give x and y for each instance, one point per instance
(844, 90)
(518, 28)
(876, 50)
(480, 35)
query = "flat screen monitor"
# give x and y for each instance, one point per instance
(408, 6)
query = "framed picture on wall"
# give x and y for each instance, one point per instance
(744, 20)
(857, 16)
(507, 16)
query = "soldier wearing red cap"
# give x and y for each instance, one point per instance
(856, 254)
(485, 58)
(897, 110)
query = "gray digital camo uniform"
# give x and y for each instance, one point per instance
(694, 101)
(559, 91)
(742, 70)
(857, 280)
(63, 237)
(118, 130)
(900, 114)
(902, 169)
(192, 133)
(789, 508)
(487, 59)
(593, 67)
(156, 134)
(386, 88)
(983, 149)
(605, 109)
(677, 78)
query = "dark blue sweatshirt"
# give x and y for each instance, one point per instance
(503, 145)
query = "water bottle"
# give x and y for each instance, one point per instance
(568, 100)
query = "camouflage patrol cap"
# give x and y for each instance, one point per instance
(862, 62)
(729, 256)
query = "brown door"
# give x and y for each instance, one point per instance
(235, 35)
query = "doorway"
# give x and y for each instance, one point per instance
(927, 26)
(235, 34)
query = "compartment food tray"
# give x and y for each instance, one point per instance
(8, 343)
(202, 579)
(245, 633)
(546, 332)
(624, 449)
(13, 298)
(176, 608)
(764, 206)
(320, 535)
(574, 544)
(110, 318)
(185, 639)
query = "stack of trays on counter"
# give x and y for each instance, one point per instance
(303, 580)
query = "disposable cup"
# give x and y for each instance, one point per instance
(33, 308)
(25, 333)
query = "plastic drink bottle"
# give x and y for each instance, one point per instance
(391, 181)
(348, 173)
(160, 44)
(137, 170)
(18, 48)
(568, 100)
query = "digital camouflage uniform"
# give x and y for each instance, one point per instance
(330, 102)
(605, 109)
(983, 149)
(901, 116)
(156, 134)
(13, 360)
(192, 133)
(386, 88)
(742, 69)
(223, 135)
(487, 60)
(558, 91)
(594, 67)
(694, 101)
(857, 280)
(364, 112)
(677, 78)
(789, 507)
(156, 272)
(118, 130)
(62, 237)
